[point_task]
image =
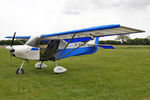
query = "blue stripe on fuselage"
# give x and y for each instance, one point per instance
(34, 49)
(77, 52)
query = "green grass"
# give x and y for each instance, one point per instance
(119, 74)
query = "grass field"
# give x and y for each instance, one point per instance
(119, 74)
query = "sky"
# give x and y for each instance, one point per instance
(34, 17)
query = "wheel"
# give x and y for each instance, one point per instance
(19, 71)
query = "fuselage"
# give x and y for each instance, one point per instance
(52, 51)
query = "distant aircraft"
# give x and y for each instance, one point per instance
(64, 44)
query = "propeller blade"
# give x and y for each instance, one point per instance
(12, 42)
(13, 39)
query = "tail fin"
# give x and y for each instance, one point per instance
(97, 41)
(94, 42)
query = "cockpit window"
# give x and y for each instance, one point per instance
(33, 41)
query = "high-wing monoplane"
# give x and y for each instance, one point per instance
(63, 44)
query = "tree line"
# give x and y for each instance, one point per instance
(8, 42)
(137, 41)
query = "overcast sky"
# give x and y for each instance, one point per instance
(28, 17)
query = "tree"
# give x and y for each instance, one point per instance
(123, 38)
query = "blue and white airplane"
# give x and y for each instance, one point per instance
(64, 44)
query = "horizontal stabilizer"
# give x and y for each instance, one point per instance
(107, 46)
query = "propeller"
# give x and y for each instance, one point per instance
(12, 42)
(10, 48)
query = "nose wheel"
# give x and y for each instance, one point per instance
(20, 70)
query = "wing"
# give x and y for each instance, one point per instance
(98, 31)
(19, 37)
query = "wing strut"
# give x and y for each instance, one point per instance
(73, 49)
(67, 45)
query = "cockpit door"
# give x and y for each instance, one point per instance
(50, 52)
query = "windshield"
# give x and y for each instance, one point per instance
(33, 41)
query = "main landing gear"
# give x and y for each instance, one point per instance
(20, 70)
(59, 69)
(40, 65)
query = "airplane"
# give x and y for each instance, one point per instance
(63, 45)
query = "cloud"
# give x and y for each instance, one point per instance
(82, 6)
(71, 12)
(49, 16)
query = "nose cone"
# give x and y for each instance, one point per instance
(9, 48)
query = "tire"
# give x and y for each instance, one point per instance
(19, 71)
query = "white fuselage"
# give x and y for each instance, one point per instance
(26, 52)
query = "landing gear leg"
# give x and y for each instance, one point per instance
(59, 69)
(55, 63)
(20, 70)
